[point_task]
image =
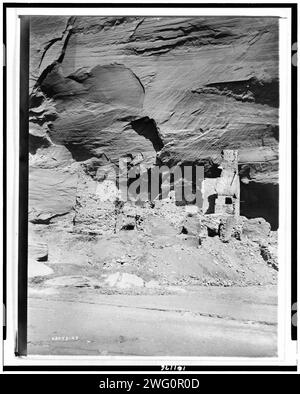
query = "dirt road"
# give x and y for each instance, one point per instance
(203, 321)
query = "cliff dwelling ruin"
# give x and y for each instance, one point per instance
(222, 195)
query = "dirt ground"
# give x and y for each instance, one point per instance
(194, 321)
(151, 291)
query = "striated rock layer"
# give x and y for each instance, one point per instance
(163, 90)
(181, 88)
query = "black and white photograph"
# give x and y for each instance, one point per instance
(158, 184)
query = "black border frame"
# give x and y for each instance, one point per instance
(21, 345)
(23, 184)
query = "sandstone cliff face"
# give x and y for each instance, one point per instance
(174, 89)
(165, 89)
(158, 91)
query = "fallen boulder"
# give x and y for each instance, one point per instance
(124, 280)
(257, 229)
(38, 251)
(38, 269)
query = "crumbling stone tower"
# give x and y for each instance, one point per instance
(228, 185)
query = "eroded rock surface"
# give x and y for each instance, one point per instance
(181, 88)
(157, 90)
(52, 193)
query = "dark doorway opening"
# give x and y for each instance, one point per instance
(260, 200)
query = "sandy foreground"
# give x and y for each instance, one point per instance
(194, 321)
